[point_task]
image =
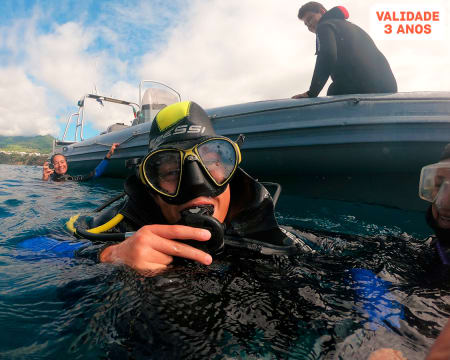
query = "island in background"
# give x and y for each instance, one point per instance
(25, 150)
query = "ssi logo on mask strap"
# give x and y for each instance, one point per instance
(183, 129)
(180, 129)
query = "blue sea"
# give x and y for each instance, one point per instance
(373, 283)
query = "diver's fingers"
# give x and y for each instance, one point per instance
(137, 252)
(165, 245)
(179, 232)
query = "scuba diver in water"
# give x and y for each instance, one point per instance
(56, 168)
(434, 187)
(187, 196)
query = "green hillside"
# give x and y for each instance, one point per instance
(41, 144)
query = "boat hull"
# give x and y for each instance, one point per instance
(367, 148)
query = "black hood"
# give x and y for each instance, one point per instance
(338, 12)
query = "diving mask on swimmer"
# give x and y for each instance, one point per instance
(434, 185)
(179, 175)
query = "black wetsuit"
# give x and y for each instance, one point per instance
(348, 54)
(250, 222)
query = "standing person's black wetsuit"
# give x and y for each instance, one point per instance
(348, 54)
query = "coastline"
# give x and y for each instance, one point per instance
(22, 158)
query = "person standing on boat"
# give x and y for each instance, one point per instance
(56, 168)
(346, 53)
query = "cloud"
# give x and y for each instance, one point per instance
(61, 60)
(60, 65)
(23, 105)
(214, 52)
(233, 51)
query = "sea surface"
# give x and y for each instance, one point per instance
(372, 283)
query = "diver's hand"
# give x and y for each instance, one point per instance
(300, 96)
(151, 248)
(111, 151)
(46, 172)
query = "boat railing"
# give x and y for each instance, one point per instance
(153, 99)
(79, 126)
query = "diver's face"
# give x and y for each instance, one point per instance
(311, 19)
(172, 213)
(60, 164)
(441, 206)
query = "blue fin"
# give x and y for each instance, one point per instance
(45, 247)
(378, 303)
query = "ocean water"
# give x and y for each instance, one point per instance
(372, 283)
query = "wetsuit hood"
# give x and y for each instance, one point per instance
(338, 12)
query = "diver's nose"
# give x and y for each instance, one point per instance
(193, 173)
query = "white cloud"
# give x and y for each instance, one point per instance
(23, 105)
(233, 51)
(60, 59)
(61, 67)
(214, 52)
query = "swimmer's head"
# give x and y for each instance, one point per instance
(59, 163)
(188, 164)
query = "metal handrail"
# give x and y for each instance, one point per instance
(80, 113)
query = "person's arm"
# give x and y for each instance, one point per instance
(152, 247)
(46, 172)
(326, 59)
(101, 167)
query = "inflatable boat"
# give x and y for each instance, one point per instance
(362, 148)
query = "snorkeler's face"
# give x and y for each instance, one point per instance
(441, 205)
(60, 164)
(172, 212)
(311, 19)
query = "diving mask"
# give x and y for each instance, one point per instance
(204, 169)
(435, 182)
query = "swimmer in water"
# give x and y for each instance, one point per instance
(56, 168)
(187, 194)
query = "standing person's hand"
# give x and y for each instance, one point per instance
(301, 96)
(111, 151)
(46, 172)
(153, 247)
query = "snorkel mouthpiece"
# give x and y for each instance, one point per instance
(201, 217)
(207, 210)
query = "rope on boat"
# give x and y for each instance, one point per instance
(109, 145)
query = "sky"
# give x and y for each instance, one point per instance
(214, 52)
